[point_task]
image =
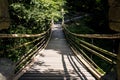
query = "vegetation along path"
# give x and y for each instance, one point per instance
(57, 61)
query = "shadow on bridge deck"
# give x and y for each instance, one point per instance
(57, 62)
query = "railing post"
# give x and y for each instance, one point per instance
(52, 22)
(118, 62)
(62, 11)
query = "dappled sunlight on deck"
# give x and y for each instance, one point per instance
(57, 61)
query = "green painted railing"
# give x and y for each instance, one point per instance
(83, 47)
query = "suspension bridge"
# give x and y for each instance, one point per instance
(60, 55)
(56, 62)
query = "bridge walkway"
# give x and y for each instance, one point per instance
(56, 61)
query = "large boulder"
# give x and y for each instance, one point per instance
(6, 69)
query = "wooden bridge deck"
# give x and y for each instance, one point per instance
(57, 62)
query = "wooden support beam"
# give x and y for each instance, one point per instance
(114, 15)
(4, 15)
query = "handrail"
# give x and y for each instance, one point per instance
(75, 41)
(25, 44)
(22, 35)
(99, 49)
(97, 53)
(85, 61)
(31, 54)
(84, 54)
(22, 59)
(97, 36)
(27, 58)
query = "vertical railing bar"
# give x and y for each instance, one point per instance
(93, 44)
(118, 62)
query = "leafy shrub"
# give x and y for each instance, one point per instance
(28, 17)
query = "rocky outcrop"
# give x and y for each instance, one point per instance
(6, 69)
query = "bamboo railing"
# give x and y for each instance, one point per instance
(28, 57)
(80, 46)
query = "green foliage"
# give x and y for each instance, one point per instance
(28, 17)
(97, 10)
(80, 27)
(35, 15)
